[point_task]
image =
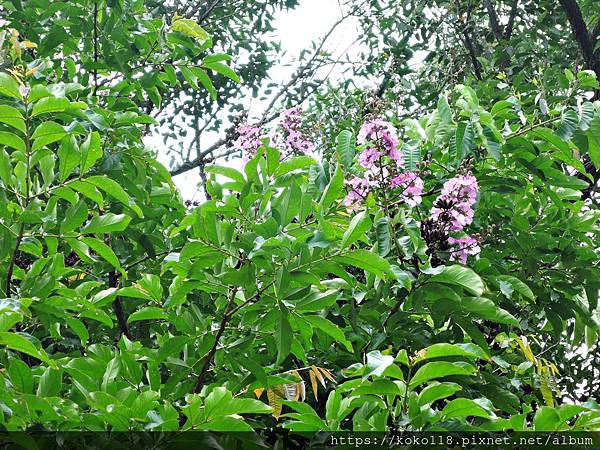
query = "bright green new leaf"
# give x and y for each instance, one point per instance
(107, 223)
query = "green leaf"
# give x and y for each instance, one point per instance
(460, 276)
(463, 140)
(107, 223)
(228, 172)
(104, 251)
(13, 117)
(443, 349)
(359, 225)
(464, 407)
(378, 387)
(411, 152)
(439, 369)
(436, 391)
(223, 70)
(333, 189)
(47, 133)
(206, 82)
(91, 151)
(21, 344)
(113, 189)
(296, 163)
(383, 236)
(68, 158)
(484, 308)
(227, 424)
(49, 105)
(80, 330)
(9, 86)
(147, 313)
(345, 147)
(12, 140)
(5, 168)
(329, 328)
(444, 110)
(190, 28)
(366, 260)
(594, 140)
(546, 419)
(283, 337)
(74, 217)
(20, 376)
(377, 363)
(88, 190)
(568, 124)
(516, 285)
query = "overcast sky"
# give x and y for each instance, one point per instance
(295, 29)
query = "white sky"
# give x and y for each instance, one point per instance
(295, 29)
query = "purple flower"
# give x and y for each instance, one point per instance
(412, 187)
(454, 206)
(295, 140)
(383, 134)
(464, 247)
(369, 157)
(358, 190)
(249, 139)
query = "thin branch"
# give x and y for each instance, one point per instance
(211, 354)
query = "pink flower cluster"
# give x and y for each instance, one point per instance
(453, 210)
(412, 187)
(295, 140)
(383, 161)
(454, 206)
(249, 139)
(465, 246)
(383, 135)
(358, 190)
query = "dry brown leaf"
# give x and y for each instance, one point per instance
(313, 382)
(328, 374)
(302, 390)
(319, 376)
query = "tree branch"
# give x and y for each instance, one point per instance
(494, 23)
(511, 20)
(581, 34)
(211, 354)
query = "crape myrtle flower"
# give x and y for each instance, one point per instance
(382, 135)
(249, 140)
(294, 139)
(454, 206)
(411, 186)
(381, 157)
(463, 247)
(358, 189)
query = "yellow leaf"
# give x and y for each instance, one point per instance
(29, 44)
(546, 389)
(275, 401)
(258, 392)
(190, 28)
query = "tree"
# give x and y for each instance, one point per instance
(435, 270)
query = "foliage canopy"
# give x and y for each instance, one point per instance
(437, 271)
